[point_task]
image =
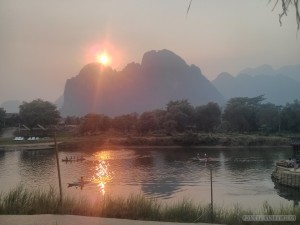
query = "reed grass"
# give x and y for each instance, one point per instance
(136, 207)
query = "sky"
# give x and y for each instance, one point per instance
(44, 43)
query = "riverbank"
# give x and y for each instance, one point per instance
(135, 207)
(74, 143)
(179, 140)
(27, 146)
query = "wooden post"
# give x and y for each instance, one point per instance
(211, 197)
(58, 169)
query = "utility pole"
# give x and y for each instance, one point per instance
(58, 169)
(211, 196)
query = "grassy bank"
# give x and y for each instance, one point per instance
(138, 207)
(186, 139)
(74, 142)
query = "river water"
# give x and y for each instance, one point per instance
(240, 175)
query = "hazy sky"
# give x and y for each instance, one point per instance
(43, 43)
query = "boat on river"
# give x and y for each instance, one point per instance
(73, 159)
(205, 159)
(80, 183)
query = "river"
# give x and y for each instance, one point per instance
(240, 175)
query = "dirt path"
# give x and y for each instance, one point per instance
(76, 220)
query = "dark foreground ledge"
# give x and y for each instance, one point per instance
(76, 220)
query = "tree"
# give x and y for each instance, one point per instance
(72, 120)
(291, 117)
(89, 124)
(12, 120)
(285, 6)
(38, 112)
(208, 117)
(181, 113)
(93, 123)
(103, 123)
(241, 113)
(269, 117)
(125, 123)
(2, 117)
(151, 121)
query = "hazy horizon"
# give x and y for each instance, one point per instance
(45, 43)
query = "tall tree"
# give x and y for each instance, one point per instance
(89, 124)
(72, 120)
(180, 113)
(208, 117)
(269, 117)
(291, 117)
(151, 121)
(241, 113)
(2, 117)
(103, 123)
(93, 123)
(38, 112)
(125, 123)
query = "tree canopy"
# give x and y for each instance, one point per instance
(208, 117)
(241, 114)
(180, 113)
(2, 117)
(291, 116)
(38, 112)
(285, 6)
(93, 123)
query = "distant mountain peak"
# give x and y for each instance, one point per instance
(163, 57)
(263, 69)
(94, 68)
(279, 86)
(225, 75)
(291, 71)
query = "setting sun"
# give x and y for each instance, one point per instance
(105, 53)
(103, 59)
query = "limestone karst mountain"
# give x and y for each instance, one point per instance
(278, 86)
(162, 76)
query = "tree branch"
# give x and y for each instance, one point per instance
(285, 5)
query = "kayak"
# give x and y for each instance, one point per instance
(78, 184)
(73, 160)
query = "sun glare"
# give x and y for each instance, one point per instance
(105, 53)
(103, 58)
(102, 174)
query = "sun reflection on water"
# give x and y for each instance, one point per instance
(102, 174)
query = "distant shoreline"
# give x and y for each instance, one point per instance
(90, 143)
(49, 146)
(27, 146)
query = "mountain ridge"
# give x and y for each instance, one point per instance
(161, 77)
(279, 86)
